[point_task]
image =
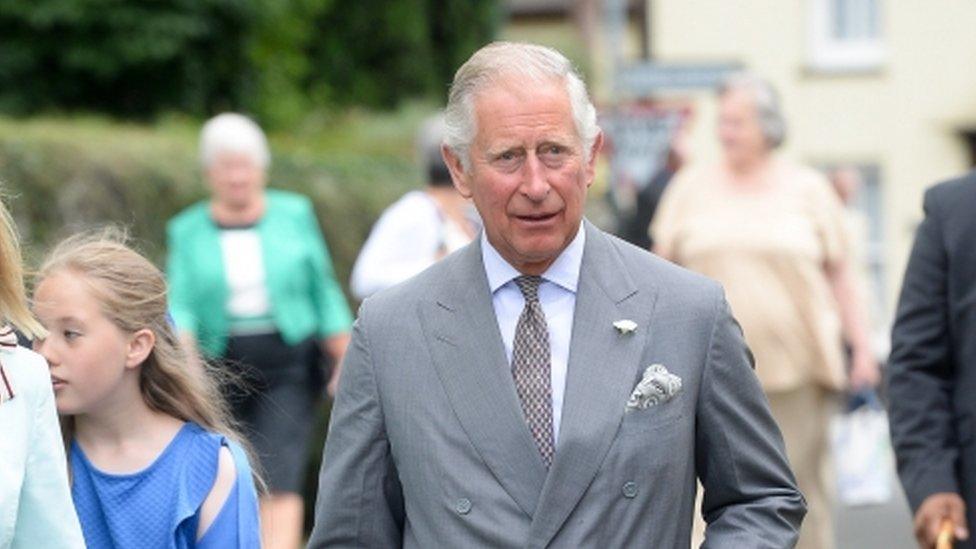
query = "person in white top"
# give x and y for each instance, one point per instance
(420, 228)
(35, 501)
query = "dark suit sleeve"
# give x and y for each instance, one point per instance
(920, 371)
(360, 501)
(750, 495)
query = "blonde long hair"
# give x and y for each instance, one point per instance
(13, 298)
(132, 293)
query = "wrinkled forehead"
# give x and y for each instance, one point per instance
(512, 101)
(520, 84)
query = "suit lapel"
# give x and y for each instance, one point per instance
(469, 357)
(597, 384)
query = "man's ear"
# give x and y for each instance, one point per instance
(141, 344)
(458, 175)
(594, 153)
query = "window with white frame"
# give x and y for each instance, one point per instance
(845, 35)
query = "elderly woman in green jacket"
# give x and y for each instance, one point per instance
(252, 285)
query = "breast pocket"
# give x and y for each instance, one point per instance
(642, 422)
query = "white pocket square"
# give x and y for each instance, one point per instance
(656, 387)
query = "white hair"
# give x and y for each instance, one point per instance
(532, 62)
(233, 133)
(764, 96)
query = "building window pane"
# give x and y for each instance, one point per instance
(845, 34)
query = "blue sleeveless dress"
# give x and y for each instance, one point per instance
(159, 507)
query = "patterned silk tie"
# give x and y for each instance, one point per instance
(531, 366)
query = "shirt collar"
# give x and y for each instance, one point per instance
(563, 272)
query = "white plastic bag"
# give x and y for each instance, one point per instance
(862, 454)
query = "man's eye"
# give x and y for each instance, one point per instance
(508, 160)
(552, 152)
(553, 155)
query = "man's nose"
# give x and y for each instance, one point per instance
(535, 186)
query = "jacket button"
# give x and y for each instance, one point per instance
(462, 506)
(630, 490)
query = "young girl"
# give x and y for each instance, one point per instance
(153, 460)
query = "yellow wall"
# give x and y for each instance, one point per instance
(565, 36)
(903, 117)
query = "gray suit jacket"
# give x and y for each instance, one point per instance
(428, 446)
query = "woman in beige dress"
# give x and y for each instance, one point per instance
(772, 232)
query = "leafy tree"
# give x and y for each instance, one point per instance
(125, 57)
(272, 58)
(376, 52)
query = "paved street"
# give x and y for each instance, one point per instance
(876, 527)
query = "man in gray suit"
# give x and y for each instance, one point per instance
(549, 385)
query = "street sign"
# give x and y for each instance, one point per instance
(650, 78)
(638, 140)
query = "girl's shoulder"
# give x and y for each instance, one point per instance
(188, 459)
(204, 445)
(174, 488)
(23, 372)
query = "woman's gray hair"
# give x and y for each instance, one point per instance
(766, 99)
(233, 133)
(530, 61)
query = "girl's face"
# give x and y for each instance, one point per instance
(90, 358)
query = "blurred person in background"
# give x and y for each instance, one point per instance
(772, 232)
(252, 285)
(847, 183)
(634, 227)
(420, 228)
(35, 500)
(931, 374)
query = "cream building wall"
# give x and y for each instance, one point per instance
(904, 116)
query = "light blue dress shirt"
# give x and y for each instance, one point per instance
(557, 295)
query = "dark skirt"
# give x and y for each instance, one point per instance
(273, 393)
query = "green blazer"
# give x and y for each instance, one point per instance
(305, 298)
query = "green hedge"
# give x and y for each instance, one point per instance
(60, 176)
(64, 175)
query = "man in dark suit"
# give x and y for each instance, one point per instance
(932, 369)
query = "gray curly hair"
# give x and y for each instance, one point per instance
(766, 99)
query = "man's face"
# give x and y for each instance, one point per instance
(528, 173)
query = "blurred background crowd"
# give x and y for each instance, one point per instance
(862, 103)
